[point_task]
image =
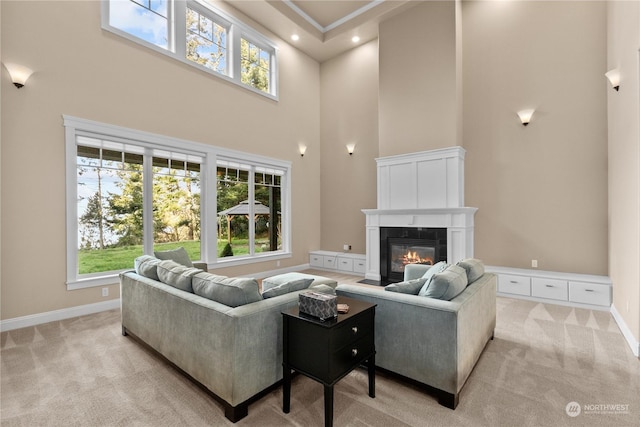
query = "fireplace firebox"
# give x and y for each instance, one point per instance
(400, 246)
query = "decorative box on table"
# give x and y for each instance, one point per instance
(316, 304)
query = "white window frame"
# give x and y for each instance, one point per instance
(208, 212)
(177, 41)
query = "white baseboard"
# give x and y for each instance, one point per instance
(631, 340)
(52, 316)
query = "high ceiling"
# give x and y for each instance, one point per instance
(325, 27)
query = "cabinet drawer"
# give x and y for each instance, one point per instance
(345, 358)
(352, 330)
(590, 293)
(345, 264)
(549, 288)
(316, 260)
(510, 284)
(329, 262)
(359, 266)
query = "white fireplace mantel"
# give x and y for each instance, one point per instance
(459, 223)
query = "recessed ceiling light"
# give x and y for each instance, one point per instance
(355, 39)
(295, 37)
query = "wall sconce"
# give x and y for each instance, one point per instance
(614, 78)
(525, 116)
(350, 148)
(19, 74)
(302, 149)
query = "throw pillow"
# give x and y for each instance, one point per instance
(176, 275)
(409, 287)
(446, 285)
(285, 288)
(147, 266)
(179, 255)
(438, 267)
(322, 288)
(230, 291)
(473, 267)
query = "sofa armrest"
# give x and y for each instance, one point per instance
(415, 271)
(201, 266)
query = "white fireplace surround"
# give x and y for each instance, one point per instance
(421, 190)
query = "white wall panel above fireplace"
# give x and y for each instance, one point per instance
(429, 179)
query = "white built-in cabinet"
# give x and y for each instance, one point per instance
(339, 261)
(578, 290)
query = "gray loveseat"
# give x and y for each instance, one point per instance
(431, 341)
(235, 352)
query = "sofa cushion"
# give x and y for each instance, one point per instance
(273, 281)
(438, 267)
(323, 288)
(286, 287)
(178, 255)
(176, 275)
(473, 267)
(407, 287)
(446, 285)
(147, 266)
(230, 291)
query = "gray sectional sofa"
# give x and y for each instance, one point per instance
(232, 349)
(431, 341)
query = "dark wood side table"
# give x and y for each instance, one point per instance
(327, 351)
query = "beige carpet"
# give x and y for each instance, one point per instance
(83, 372)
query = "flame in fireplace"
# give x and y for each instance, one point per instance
(412, 257)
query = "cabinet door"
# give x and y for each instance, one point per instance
(330, 262)
(359, 266)
(512, 284)
(549, 288)
(316, 260)
(345, 264)
(590, 293)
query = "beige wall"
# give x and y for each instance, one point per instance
(349, 105)
(418, 100)
(541, 190)
(624, 161)
(84, 71)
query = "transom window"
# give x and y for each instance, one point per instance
(196, 33)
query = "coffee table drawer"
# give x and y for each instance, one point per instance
(511, 284)
(355, 353)
(352, 330)
(549, 288)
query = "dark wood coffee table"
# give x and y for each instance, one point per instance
(327, 351)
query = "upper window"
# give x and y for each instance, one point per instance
(196, 33)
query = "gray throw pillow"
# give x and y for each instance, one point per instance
(446, 285)
(473, 267)
(285, 288)
(438, 267)
(409, 287)
(179, 255)
(230, 291)
(147, 266)
(176, 275)
(322, 288)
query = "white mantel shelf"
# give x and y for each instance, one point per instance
(434, 217)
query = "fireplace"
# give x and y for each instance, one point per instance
(400, 246)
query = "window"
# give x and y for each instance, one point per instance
(249, 200)
(197, 34)
(131, 193)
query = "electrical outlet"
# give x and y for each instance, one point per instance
(534, 263)
(105, 292)
(347, 247)
(277, 263)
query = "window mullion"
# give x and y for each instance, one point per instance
(234, 54)
(147, 201)
(252, 214)
(179, 28)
